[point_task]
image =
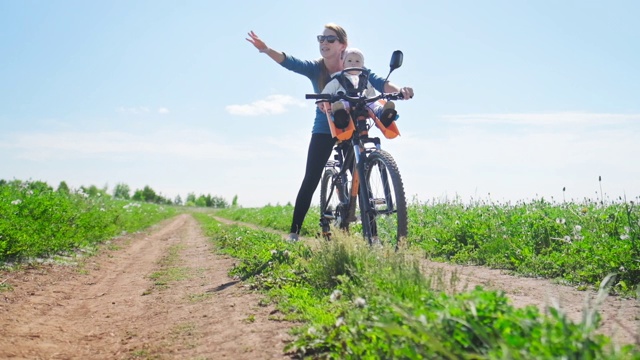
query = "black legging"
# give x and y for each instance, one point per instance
(320, 148)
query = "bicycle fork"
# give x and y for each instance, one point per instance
(366, 212)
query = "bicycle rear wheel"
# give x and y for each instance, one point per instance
(333, 200)
(388, 217)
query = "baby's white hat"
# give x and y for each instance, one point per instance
(352, 51)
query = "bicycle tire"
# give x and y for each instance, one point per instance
(387, 198)
(332, 201)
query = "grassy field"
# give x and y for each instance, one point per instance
(577, 243)
(355, 302)
(352, 301)
(38, 222)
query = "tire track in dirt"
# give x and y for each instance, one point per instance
(620, 317)
(111, 309)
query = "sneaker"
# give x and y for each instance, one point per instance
(340, 115)
(293, 237)
(389, 113)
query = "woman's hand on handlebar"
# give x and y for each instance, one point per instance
(407, 92)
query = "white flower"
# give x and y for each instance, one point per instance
(311, 331)
(16, 202)
(422, 319)
(567, 239)
(624, 237)
(577, 228)
(560, 221)
(274, 252)
(335, 295)
(340, 322)
(360, 302)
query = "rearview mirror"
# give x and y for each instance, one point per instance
(396, 60)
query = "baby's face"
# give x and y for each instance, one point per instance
(353, 60)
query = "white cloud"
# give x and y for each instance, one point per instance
(271, 105)
(189, 144)
(163, 110)
(545, 119)
(519, 156)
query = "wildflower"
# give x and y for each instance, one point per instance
(335, 295)
(560, 221)
(340, 322)
(622, 269)
(274, 252)
(624, 237)
(422, 319)
(311, 331)
(360, 302)
(567, 239)
(577, 228)
(286, 253)
(16, 202)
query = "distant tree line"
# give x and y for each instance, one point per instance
(123, 191)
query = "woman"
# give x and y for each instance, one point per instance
(332, 43)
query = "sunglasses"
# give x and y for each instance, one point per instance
(330, 38)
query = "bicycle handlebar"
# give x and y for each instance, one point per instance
(354, 99)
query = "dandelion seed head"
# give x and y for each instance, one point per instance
(360, 302)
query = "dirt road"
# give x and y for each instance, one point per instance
(164, 294)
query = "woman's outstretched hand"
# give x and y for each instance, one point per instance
(259, 44)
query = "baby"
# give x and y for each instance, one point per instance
(353, 57)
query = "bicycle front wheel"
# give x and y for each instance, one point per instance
(387, 201)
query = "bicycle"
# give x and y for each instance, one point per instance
(378, 202)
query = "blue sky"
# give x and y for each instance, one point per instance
(515, 100)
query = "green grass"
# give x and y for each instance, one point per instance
(36, 221)
(578, 243)
(355, 302)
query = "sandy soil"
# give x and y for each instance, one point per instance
(116, 305)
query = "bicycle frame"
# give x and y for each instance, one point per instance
(351, 156)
